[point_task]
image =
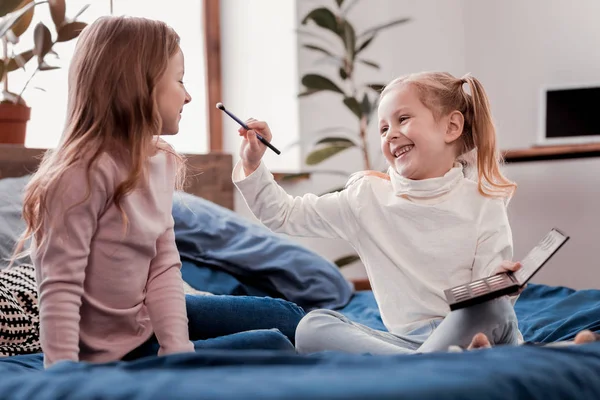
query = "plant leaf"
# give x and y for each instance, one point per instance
(292, 177)
(354, 106)
(58, 10)
(308, 92)
(8, 6)
(377, 29)
(365, 105)
(339, 2)
(45, 67)
(343, 74)
(24, 21)
(336, 140)
(377, 87)
(319, 49)
(7, 21)
(318, 82)
(324, 18)
(349, 37)
(369, 63)
(19, 60)
(364, 45)
(70, 31)
(42, 40)
(323, 153)
(349, 259)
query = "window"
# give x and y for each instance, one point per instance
(49, 105)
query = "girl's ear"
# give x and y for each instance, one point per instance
(454, 129)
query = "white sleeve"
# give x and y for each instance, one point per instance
(494, 243)
(327, 216)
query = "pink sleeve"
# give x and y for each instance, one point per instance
(165, 298)
(73, 209)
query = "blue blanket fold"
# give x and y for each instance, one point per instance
(211, 235)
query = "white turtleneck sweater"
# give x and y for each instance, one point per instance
(415, 238)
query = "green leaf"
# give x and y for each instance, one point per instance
(42, 40)
(323, 153)
(23, 23)
(343, 74)
(364, 45)
(319, 49)
(45, 67)
(308, 92)
(324, 18)
(58, 9)
(377, 29)
(342, 261)
(19, 60)
(318, 83)
(10, 19)
(70, 31)
(365, 105)
(292, 177)
(349, 38)
(8, 6)
(377, 87)
(369, 63)
(336, 140)
(354, 106)
(339, 2)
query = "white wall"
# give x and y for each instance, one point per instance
(515, 47)
(260, 70)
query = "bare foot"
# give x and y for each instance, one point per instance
(480, 341)
(586, 337)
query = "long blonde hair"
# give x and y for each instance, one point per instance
(442, 93)
(112, 107)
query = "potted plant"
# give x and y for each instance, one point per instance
(15, 19)
(360, 98)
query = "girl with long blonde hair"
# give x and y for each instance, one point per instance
(423, 227)
(98, 210)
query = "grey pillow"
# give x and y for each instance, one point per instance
(11, 223)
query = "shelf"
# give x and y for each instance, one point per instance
(546, 153)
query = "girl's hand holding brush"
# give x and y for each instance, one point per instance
(251, 149)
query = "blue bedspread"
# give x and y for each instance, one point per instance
(524, 372)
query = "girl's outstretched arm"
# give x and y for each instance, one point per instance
(329, 216)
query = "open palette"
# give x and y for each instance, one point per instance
(494, 286)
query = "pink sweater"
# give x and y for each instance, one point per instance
(103, 290)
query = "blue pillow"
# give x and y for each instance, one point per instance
(209, 234)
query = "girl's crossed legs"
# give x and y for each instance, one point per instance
(323, 330)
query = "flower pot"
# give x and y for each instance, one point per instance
(13, 123)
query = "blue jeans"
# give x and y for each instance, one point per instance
(326, 330)
(235, 322)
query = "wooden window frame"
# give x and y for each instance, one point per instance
(212, 59)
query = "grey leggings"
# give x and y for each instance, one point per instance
(323, 330)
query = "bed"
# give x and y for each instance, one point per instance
(232, 256)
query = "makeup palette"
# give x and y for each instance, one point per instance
(494, 286)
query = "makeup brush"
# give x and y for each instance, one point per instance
(221, 107)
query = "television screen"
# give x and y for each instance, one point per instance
(572, 113)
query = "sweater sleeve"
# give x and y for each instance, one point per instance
(494, 244)
(165, 297)
(327, 216)
(71, 217)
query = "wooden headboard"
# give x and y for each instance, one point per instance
(209, 175)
